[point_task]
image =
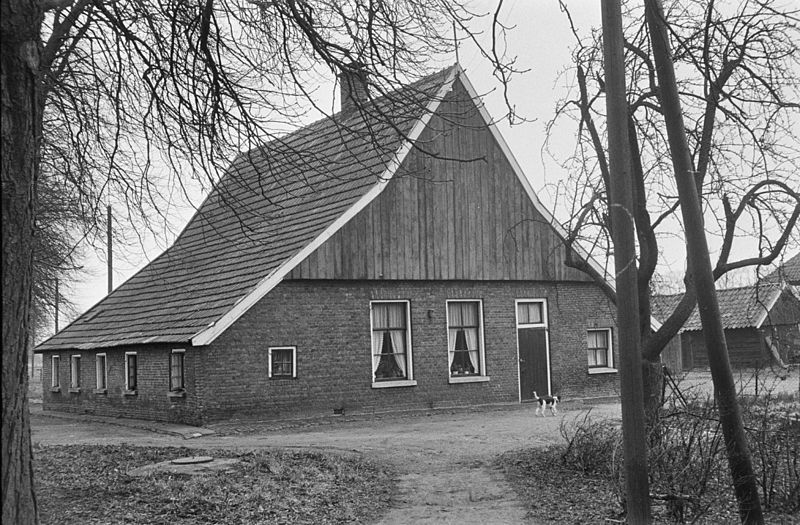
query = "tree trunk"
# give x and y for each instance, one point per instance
(739, 462)
(634, 437)
(653, 390)
(20, 26)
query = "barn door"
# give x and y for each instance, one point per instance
(533, 348)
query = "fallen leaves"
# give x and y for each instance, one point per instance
(90, 485)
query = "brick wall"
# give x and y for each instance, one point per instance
(151, 400)
(329, 323)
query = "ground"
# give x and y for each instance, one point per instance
(445, 460)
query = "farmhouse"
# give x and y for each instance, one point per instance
(761, 322)
(391, 257)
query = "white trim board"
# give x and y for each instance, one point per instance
(523, 179)
(214, 330)
(768, 306)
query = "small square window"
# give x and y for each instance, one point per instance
(283, 362)
(55, 381)
(599, 348)
(101, 372)
(176, 383)
(131, 372)
(75, 372)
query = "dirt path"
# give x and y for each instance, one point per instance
(444, 461)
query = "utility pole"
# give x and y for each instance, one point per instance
(634, 434)
(55, 315)
(110, 255)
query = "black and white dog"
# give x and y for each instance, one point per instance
(545, 403)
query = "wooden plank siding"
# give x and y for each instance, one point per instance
(453, 211)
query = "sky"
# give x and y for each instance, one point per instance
(540, 39)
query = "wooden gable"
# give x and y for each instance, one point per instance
(455, 210)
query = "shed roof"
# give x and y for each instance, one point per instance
(788, 272)
(742, 307)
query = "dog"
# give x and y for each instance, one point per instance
(547, 402)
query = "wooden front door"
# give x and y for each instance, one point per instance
(532, 344)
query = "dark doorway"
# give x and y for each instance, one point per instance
(534, 362)
(533, 369)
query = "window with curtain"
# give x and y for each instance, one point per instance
(530, 313)
(75, 371)
(599, 348)
(176, 370)
(464, 344)
(100, 370)
(282, 362)
(390, 341)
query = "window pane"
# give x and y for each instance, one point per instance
(598, 346)
(529, 313)
(75, 372)
(380, 315)
(54, 371)
(100, 366)
(131, 361)
(176, 371)
(462, 314)
(282, 362)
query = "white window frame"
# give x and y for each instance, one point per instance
(409, 380)
(100, 373)
(294, 361)
(610, 369)
(172, 388)
(55, 372)
(75, 378)
(127, 375)
(482, 376)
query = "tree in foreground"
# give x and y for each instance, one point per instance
(129, 101)
(738, 77)
(734, 138)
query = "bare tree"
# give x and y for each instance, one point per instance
(105, 92)
(739, 461)
(738, 77)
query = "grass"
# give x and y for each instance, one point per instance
(83, 484)
(580, 481)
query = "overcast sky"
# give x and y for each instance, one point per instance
(541, 40)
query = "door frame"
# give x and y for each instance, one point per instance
(544, 324)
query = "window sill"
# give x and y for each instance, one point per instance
(468, 379)
(74, 390)
(282, 378)
(176, 394)
(393, 384)
(130, 393)
(100, 391)
(602, 370)
(55, 389)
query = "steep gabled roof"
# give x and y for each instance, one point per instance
(788, 272)
(272, 205)
(273, 208)
(743, 307)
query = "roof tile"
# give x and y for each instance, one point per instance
(272, 201)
